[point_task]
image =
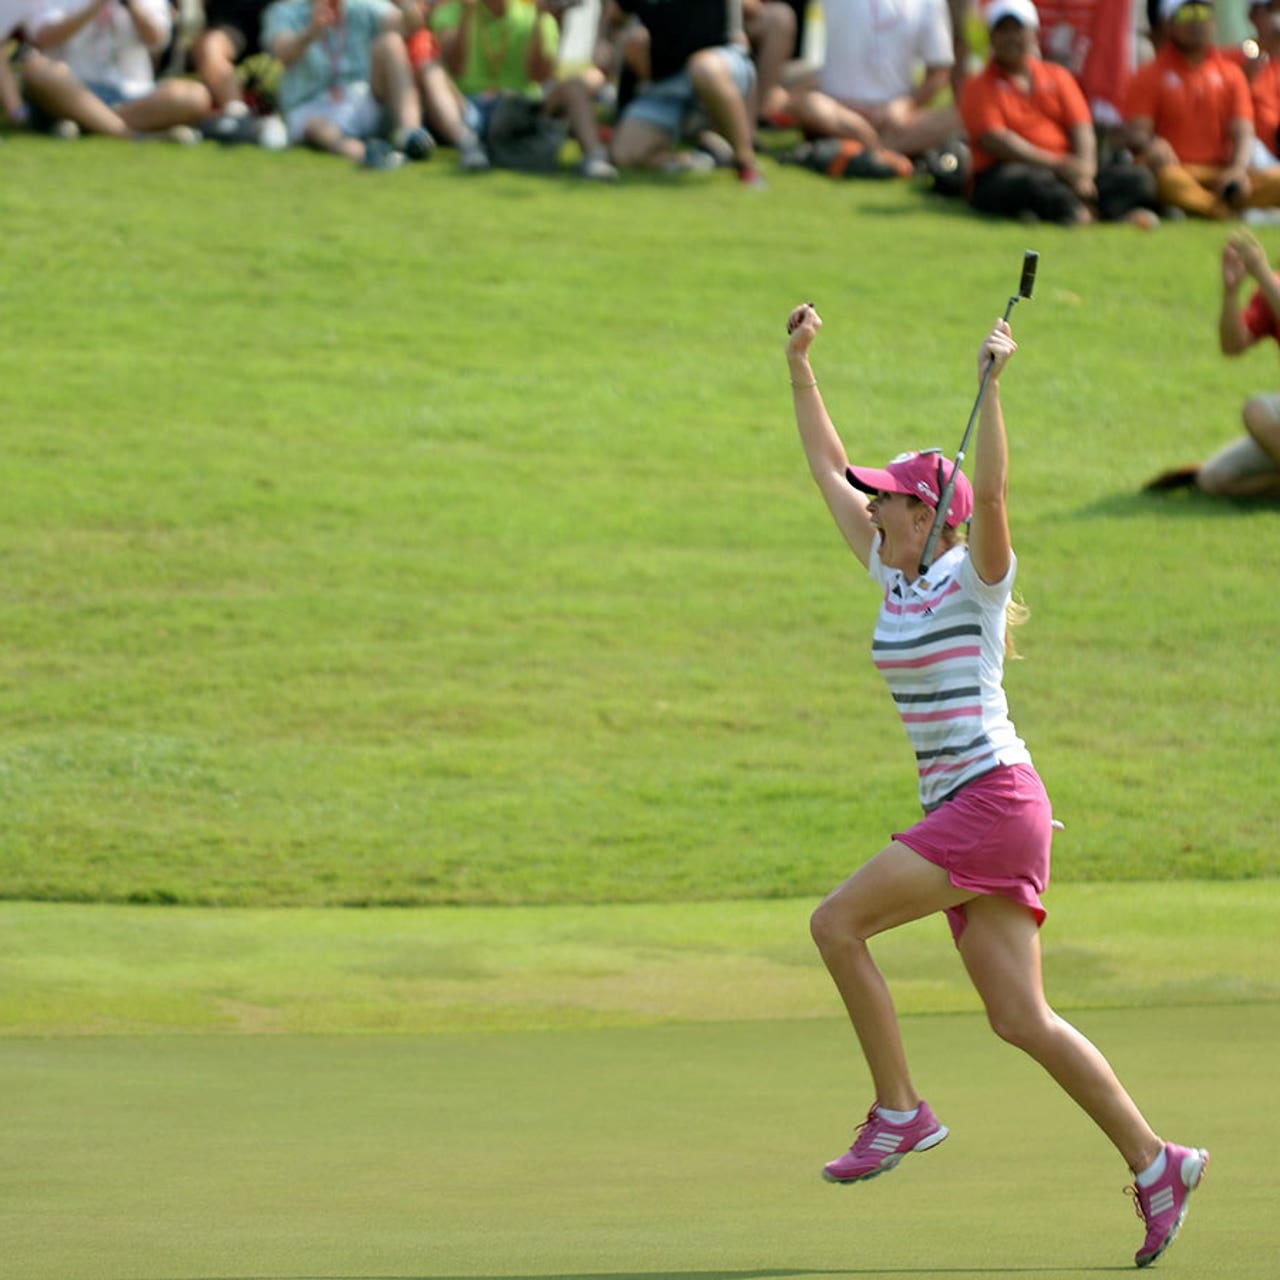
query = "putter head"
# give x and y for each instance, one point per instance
(1030, 260)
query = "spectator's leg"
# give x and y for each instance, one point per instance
(922, 131)
(392, 82)
(1266, 188)
(772, 33)
(443, 105)
(325, 135)
(213, 55)
(11, 105)
(1247, 468)
(173, 102)
(1123, 187)
(572, 99)
(1189, 187)
(1015, 190)
(54, 88)
(714, 84)
(821, 116)
(638, 144)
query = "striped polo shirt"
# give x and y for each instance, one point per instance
(939, 644)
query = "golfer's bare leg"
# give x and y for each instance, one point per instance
(1001, 950)
(896, 886)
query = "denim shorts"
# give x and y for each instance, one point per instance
(42, 122)
(665, 103)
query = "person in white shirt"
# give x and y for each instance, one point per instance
(886, 63)
(14, 15)
(94, 71)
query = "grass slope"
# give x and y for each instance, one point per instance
(67, 970)
(406, 539)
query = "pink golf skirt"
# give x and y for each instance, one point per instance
(992, 836)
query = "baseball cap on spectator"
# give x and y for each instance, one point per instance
(921, 475)
(1021, 11)
(1169, 7)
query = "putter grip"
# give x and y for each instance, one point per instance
(1030, 261)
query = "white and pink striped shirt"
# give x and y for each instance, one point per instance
(939, 644)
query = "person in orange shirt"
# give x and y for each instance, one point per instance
(1263, 72)
(1189, 117)
(1031, 135)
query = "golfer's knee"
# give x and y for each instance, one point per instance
(833, 926)
(1018, 1024)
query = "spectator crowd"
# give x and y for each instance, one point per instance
(1066, 111)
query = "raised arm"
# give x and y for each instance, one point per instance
(1243, 256)
(822, 445)
(989, 547)
(51, 36)
(290, 46)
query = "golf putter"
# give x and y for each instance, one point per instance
(1030, 260)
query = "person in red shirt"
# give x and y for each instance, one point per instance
(1263, 73)
(1250, 465)
(1189, 117)
(1031, 135)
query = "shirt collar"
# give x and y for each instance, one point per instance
(943, 568)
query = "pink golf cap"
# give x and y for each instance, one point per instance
(917, 474)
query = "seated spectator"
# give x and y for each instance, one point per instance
(14, 14)
(1189, 118)
(770, 26)
(884, 66)
(1031, 135)
(442, 104)
(346, 75)
(491, 47)
(93, 71)
(695, 55)
(1250, 465)
(1263, 74)
(960, 11)
(231, 31)
(1093, 39)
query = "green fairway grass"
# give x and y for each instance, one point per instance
(434, 698)
(670, 1153)
(410, 540)
(71, 970)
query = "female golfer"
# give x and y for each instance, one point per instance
(981, 852)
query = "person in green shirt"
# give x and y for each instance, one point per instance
(492, 47)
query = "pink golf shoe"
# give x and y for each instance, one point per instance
(879, 1145)
(1163, 1205)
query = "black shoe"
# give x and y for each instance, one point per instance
(1174, 478)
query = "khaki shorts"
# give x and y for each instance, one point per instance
(1245, 459)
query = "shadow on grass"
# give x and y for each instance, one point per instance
(774, 1273)
(1178, 505)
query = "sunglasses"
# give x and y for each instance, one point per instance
(1194, 13)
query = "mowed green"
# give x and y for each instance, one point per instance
(408, 540)
(670, 1153)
